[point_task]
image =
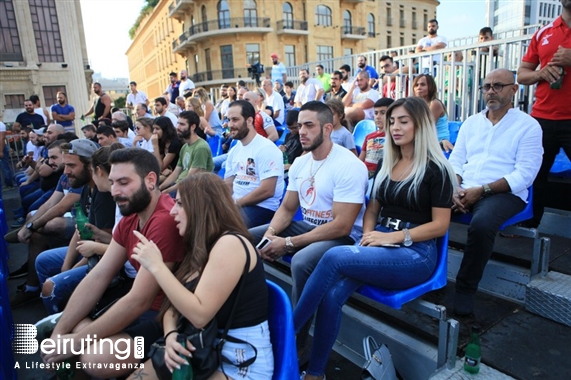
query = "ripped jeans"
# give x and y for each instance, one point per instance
(48, 266)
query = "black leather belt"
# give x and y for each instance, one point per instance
(395, 224)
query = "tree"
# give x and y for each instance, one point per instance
(120, 102)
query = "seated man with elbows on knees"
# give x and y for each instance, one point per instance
(329, 184)
(360, 99)
(496, 158)
(254, 168)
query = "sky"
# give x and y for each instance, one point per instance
(107, 24)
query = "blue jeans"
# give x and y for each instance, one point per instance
(6, 169)
(41, 200)
(255, 216)
(306, 258)
(488, 214)
(219, 161)
(341, 271)
(48, 266)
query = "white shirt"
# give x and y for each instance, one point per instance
(307, 92)
(139, 97)
(341, 177)
(360, 97)
(40, 111)
(276, 101)
(173, 118)
(253, 163)
(430, 41)
(185, 85)
(511, 149)
(146, 145)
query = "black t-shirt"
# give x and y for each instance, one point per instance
(50, 182)
(435, 191)
(293, 147)
(99, 207)
(174, 147)
(26, 119)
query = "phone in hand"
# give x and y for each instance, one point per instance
(263, 243)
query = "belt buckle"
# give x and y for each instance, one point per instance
(393, 223)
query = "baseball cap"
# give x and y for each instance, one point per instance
(83, 147)
(273, 55)
(39, 131)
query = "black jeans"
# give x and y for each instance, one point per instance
(488, 214)
(556, 135)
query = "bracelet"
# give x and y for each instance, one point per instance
(170, 332)
(273, 230)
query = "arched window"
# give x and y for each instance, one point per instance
(288, 16)
(223, 14)
(347, 24)
(323, 15)
(371, 25)
(250, 13)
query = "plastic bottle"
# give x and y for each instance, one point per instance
(80, 219)
(473, 352)
(65, 371)
(185, 371)
(557, 85)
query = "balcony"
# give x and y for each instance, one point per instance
(183, 44)
(215, 77)
(226, 26)
(292, 27)
(353, 33)
(179, 8)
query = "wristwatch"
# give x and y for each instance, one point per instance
(30, 226)
(407, 242)
(289, 247)
(487, 191)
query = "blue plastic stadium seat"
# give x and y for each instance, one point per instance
(282, 138)
(362, 129)
(280, 319)
(397, 298)
(561, 166)
(454, 128)
(215, 143)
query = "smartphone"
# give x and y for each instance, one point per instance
(264, 243)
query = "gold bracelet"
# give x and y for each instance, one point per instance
(273, 230)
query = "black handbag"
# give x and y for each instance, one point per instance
(207, 357)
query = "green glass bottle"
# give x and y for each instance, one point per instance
(286, 159)
(185, 371)
(80, 220)
(65, 371)
(557, 84)
(473, 352)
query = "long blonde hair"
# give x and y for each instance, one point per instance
(426, 150)
(196, 106)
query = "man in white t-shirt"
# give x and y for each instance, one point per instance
(309, 89)
(161, 109)
(329, 185)
(254, 168)
(274, 100)
(360, 99)
(278, 69)
(186, 85)
(431, 43)
(135, 97)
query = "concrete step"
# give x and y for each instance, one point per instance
(458, 373)
(550, 297)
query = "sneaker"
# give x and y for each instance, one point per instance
(463, 305)
(20, 272)
(21, 287)
(46, 326)
(18, 222)
(302, 376)
(22, 298)
(12, 236)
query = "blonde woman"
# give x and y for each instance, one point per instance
(210, 113)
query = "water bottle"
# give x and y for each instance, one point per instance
(557, 85)
(65, 371)
(473, 352)
(80, 219)
(185, 371)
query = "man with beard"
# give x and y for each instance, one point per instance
(329, 184)
(278, 69)
(97, 206)
(429, 44)
(263, 123)
(101, 106)
(28, 117)
(496, 158)
(162, 109)
(360, 100)
(47, 227)
(63, 113)
(134, 185)
(223, 96)
(195, 155)
(362, 66)
(186, 85)
(309, 89)
(173, 89)
(337, 91)
(254, 168)
(346, 79)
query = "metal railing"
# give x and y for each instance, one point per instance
(353, 30)
(291, 24)
(219, 75)
(229, 23)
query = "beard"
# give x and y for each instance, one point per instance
(432, 32)
(138, 202)
(316, 143)
(61, 102)
(82, 179)
(185, 135)
(241, 132)
(304, 79)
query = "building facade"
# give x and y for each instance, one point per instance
(219, 38)
(38, 56)
(504, 15)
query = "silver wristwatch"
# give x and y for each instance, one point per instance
(289, 247)
(407, 242)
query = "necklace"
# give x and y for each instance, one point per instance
(312, 175)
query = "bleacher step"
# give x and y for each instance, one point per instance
(550, 297)
(457, 373)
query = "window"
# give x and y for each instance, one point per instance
(46, 30)
(288, 16)
(323, 15)
(250, 13)
(252, 53)
(425, 19)
(371, 25)
(10, 49)
(347, 52)
(414, 25)
(389, 41)
(50, 94)
(347, 27)
(14, 101)
(389, 17)
(208, 64)
(402, 22)
(223, 14)
(290, 55)
(324, 53)
(227, 60)
(204, 19)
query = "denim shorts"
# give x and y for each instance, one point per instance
(259, 337)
